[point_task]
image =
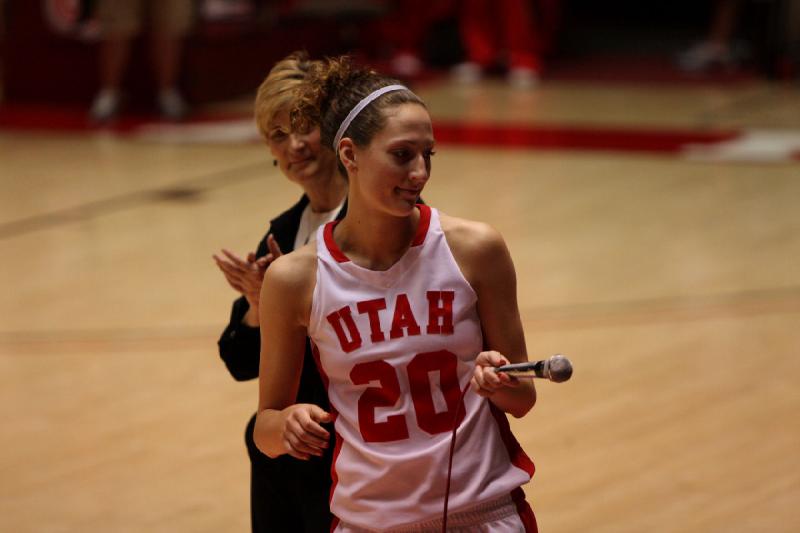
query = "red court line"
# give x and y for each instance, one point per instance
(47, 118)
(574, 138)
(520, 136)
(76, 120)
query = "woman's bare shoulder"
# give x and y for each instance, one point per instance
(471, 237)
(479, 250)
(293, 271)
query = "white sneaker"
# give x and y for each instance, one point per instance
(172, 105)
(406, 65)
(523, 78)
(105, 105)
(704, 56)
(466, 73)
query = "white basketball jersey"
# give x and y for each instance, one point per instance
(396, 348)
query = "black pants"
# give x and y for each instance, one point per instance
(287, 494)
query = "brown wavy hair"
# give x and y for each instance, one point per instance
(334, 87)
(278, 90)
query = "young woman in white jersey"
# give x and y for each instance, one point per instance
(406, 310)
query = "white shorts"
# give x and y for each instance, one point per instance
(496, 516)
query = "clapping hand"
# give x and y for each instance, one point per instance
(246, 275)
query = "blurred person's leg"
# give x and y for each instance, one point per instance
(717, 48)
(523, 58)
(409, 26)
(793, 30)
(548, 17)
(477, 24)
(406, 30)
(171, 21)
(120, 20)
(788, 39)
(724, 22)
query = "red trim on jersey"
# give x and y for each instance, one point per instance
(424, 223)
(337, 447)
(419, 236)
(334, 476)
(524, 510)
(515, 452)
(334, 250)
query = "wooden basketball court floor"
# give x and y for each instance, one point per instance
(671, 278)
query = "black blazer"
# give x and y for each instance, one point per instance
(285, 493)
(240, 345)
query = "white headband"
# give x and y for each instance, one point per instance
(360, 107)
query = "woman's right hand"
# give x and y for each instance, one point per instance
(246, 275)
(302, 435)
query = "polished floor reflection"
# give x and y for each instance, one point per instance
(667, 272)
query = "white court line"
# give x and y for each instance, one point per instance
(223, 132)
(758, 146)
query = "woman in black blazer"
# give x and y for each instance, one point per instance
(286, 494)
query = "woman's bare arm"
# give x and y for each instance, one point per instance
(281, 425)
(485, 261)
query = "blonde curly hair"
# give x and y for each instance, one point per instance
(278, 90)
(334, 87)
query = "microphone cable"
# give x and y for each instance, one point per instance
(456, 425)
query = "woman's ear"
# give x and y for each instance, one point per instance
(347, 155)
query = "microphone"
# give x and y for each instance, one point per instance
(556, 368)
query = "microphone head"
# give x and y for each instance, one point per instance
(559, 368)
